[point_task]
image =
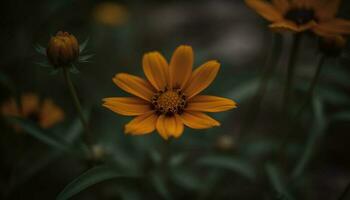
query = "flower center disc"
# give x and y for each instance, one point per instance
(301, 16)
(169, 102)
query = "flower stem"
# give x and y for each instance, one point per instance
(266, 74)
(290, 71)
(312, 87)
(73, 93)
(309, 96)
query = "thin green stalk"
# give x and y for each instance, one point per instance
(310, 92)
(345, 193)
(87, 136)
(269, 69)
(308, 99)
(290, 71)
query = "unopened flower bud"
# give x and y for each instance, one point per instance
(332, 46)
(63, 49)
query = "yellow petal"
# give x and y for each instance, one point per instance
(205, 103)
(327, 10)
(9, 108)
(201, 78)
(168, 126)
(181, 66)
(50, 114)
(155, 68)
(128, 106)
(198, 120)
(282, 5)
(134, 85)
(285, 25)
(334, 27)
(265, 9)
(142, 124)
(30, 104)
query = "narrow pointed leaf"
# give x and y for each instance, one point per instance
(40, 49)
(229, 163)
(83, 45)
(33, 130)
(275, 178)
(88, 179)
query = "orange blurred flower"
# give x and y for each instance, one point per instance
(169, 98)
(318, 16)
(110, 14)
(46, 113)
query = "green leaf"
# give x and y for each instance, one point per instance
(73, 69)
(341, 116)
(89, 178)
(82, 47)
(40, 49)
(85, 58)
(229, 163)
(275, 178)
(33, 130)
(187, 179)
(160, 185)
(44, 64)
(334, 95)
(317, 130)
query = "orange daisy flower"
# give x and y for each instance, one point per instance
(318, 16)
(45, 113)
(169, 98)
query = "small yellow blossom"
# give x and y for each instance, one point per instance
(169, 98)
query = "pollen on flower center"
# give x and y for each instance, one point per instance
(301, 16)
(169, 102)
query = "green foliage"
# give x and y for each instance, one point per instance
(90, 178)
(230, 163)
(35, 131)
(276, 180)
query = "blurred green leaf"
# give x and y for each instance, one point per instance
(341, 116)
(33, 130)
(244, 90)
(40, 49)
(90, 178)
(229, 163)
(85, 58)
(74, 70)
(187, 179)
(129, 194)
(317, 130)
(177, 159)
(338, 74)
(334, 95)
(160, 185)
(275, 178)
(82, 47)
(259, 147)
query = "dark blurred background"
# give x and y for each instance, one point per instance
(230, 162)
